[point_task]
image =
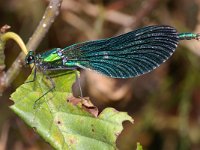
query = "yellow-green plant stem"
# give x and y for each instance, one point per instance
(16, 38)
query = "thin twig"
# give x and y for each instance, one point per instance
(48, 18)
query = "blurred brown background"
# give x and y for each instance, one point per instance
(165, 103)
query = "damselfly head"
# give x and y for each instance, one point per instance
(30, 58)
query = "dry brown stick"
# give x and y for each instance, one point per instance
(48, 18)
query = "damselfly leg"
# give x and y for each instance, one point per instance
(34, 75)
(51, 89)
(79, 84)
(53, 84)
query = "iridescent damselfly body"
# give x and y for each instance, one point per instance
(124, 56)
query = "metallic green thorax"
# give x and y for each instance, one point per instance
(57, 59)
(50, 56)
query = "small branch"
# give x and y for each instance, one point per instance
(48, 18)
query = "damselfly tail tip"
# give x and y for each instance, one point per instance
(198, 36)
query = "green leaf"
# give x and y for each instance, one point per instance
(60, 122)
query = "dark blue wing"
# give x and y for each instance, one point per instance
(128, 55)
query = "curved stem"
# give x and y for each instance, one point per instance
(16, 38)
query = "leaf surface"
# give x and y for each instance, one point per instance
(61, 123)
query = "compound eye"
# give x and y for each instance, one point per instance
(30, 59)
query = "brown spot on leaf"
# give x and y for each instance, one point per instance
(58, 122)
(85, 103)
(72, 141)
(73, 100)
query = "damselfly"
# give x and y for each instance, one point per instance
(125, 56)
